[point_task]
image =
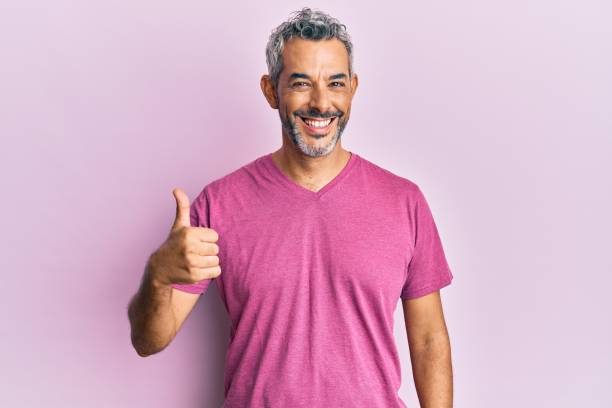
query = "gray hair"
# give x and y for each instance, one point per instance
(307, 24)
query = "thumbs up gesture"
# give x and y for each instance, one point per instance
(189, 254)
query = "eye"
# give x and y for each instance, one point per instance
(341, 84)
(295, 84)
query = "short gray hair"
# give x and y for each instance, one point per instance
(307, 24)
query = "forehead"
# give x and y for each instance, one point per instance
(315, 56)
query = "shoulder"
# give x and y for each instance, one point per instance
(389, 180)
(242, 179)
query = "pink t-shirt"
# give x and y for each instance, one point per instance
(311, 281)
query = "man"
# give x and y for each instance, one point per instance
(311, 247)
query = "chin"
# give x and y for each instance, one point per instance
(315, 149)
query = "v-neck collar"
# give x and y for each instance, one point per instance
(301, 190)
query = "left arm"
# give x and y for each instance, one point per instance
(430, 351)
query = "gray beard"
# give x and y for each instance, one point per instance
(299, 140)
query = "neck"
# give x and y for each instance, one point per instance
(311, 172)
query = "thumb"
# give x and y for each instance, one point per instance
(182, 209)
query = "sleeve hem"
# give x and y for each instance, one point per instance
(187, 289)
(428, 289)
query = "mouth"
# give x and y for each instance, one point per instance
(318, 126)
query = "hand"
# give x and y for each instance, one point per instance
(189, 254)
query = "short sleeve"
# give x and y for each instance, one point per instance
(428, 270)
(199, 215)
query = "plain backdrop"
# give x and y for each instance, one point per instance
(500, 111)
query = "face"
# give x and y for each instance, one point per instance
(313, 94)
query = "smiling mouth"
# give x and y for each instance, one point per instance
(318, 126)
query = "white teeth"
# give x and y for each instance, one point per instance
(317, 123)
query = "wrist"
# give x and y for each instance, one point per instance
(153, 274)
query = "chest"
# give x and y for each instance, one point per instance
(273, 252)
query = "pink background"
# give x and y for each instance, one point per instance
(501, 111)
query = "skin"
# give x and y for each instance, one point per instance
(430, 350)
(313, 161)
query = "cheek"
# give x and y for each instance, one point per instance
(347, 111)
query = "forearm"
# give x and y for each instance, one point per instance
(432, 372)
(151, 317)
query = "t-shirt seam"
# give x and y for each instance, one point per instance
(440, 282)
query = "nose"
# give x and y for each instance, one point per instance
(320, 99)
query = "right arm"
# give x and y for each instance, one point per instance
(157, 311)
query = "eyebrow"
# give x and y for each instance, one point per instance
(304, 76)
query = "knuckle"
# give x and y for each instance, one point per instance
(215, 271)
(214, 236)
(213, 260)
(197, 274)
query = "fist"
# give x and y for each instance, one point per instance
(189, 254)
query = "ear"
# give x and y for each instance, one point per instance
(268, 90)
(354, 84)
